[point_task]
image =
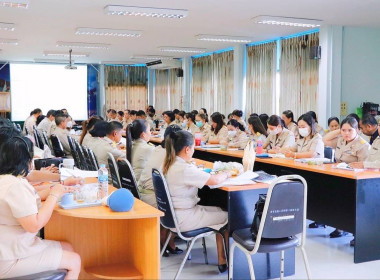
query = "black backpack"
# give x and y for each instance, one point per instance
(259, 207)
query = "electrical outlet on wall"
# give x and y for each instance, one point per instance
(343, 109)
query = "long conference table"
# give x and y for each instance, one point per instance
(344, 199)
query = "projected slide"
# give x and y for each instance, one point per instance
(48, 87)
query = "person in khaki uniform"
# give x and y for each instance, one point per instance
(310, 144)
(373, 159)
(349, 147)
(138, 148)
(288, 118)
(204, 126)
(279, 137)
(61, 132)
(237, 138)
(257, 129)
(190, 124)
(219, 131)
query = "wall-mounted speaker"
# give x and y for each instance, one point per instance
(179, 73)
(315, 52)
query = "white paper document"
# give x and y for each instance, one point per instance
(245, 178)
(65, 173)
(313, 160)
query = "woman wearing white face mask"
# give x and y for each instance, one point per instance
(279, 137)
(237, 138)
(189, 123)
(310, 144)
(204, 126)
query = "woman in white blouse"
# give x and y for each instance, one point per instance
(218, 129)
(237, 138)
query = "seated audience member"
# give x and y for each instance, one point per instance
(254, 115)
(104, 138)
(349, 147)
(22, 215)
(39, 119)
(62, 133)
(140, 115)
(87, 126)
(264, 120)
(70, 124)
(151, 119)
(127, 119)
(204, 111)
(237, 138)
(46, 123)
(180, 118)
(31, 121)
(218, 130)
(175, 112)
(64, 111)
(184, 179)
(204, 126)
(149, 108)
(310, 144)
(169, 118)
(189, 123)
(237, 115)
(257, 129)
(138, 148)
(195, 112)
(319, 128)
(112, 116)
(290, 123)
(279, 137)
(333, 124)
(369, 127)
(133, 115)
(120, 116)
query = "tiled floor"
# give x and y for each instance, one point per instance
(328, 259)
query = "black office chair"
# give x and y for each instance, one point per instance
(81, 156)
(88, 159)
(94, 161)
(127, 177)
(59, 274)
(57, 146)
(282, 225)
(169, 220)
(329, 153)
(37, 138)
(114, 170)
(74, 151)
(46, 139)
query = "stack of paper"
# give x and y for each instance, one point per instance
(245, 178)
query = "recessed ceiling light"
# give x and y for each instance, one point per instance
(7, 26)
(145, 11)
(182, 50)
(9, 42)
(150, 57)
(108, 32)
(83, 45)
(64, 54)
(15, 3)
(59, 61)
(224, 38)
(288, 21)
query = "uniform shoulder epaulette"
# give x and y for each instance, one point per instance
(362, 141)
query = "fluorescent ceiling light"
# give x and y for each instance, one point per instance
(108, 32)
(65, 54)
(7, 26)
(83, 45)
(150, 57)
(118, 62)
(15, 3)
(182, 50)
(8, 42)
(288, 21)
(56, 61)
(223, 38)
(144, 11)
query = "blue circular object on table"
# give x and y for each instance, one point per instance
(207, 170)
(121, 200)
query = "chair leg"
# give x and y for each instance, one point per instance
(189, 257)
(250, 265)
(185, 258)
(166, 244)
(305, 260)
(231, 262)
(204, 249)
(282, 264)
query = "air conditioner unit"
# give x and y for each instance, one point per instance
(164, 64)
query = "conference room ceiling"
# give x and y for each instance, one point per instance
(45, 22)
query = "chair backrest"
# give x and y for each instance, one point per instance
(87, 159)
(81, 156)
(127, 177)
(114, 170)
(37, 138)
(57, 146)
(94, 161)
(46, 139)
(329, 153)
(164, 202)
(74, 151)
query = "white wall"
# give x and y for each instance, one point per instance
(360, 66)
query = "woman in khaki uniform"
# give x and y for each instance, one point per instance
(237, 138)
(184, 179)
(349, 147)
(279, 137)
(288, 118)
(190, 125)
(257, 129)
(373, 160)
(319, 128)
(310, 144)
(204, 127)
(219, 131)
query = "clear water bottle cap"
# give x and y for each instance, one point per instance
(102, 165)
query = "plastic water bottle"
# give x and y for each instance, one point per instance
(103, 181)
(259, 147)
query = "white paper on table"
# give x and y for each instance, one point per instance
(38, 152)
(276, 155)
(211, 146)
(345, 166)
(313, 160)
(66, 172)
(245, 178)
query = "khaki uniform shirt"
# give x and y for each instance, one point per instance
(320, 129)
(206, 132)
(356, 150)
(256, 137)
(192, 129)
(45, 125)
(101, 147)
(284, 139)
(314, 144)
(294, 128)
(373, 160)
(222, 134)
(29, 123)
(62, 136)
(240, 140)
(141, 151)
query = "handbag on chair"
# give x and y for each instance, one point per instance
(259, 207)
